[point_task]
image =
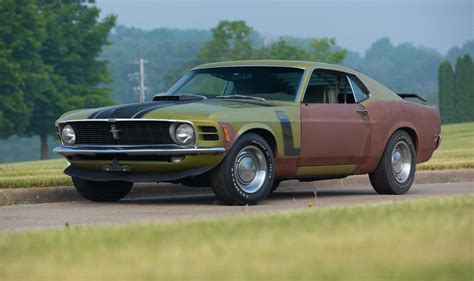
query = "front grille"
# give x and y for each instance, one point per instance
(126, 132)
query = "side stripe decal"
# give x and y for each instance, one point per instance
(287, 130)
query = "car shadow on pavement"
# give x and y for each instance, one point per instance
(198, 198)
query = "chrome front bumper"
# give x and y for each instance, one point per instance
(134, 150)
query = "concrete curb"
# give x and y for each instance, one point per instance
(68, 193)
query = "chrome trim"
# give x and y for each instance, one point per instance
(167, 146)
(352, 89)
(250, 169)
(347, 74)
(438, 141)
(401, 161)
(123, 119)
(140, 150)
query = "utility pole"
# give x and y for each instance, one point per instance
(140, 90)
(142, 80)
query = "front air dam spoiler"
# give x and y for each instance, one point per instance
(133, 176)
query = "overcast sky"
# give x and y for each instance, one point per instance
(355, 23)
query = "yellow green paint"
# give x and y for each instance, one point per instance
(325, 170)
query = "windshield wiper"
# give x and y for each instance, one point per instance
(240, 97)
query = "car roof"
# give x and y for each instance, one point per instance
(377, 90)
(282, 63)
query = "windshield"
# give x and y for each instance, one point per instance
(269, 83)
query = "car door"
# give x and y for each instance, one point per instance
(335, 125)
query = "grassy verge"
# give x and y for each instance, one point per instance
(430, 239)
(456, 151)
(34, 174)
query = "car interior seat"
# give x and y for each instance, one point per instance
(314, 94)
(330, 95)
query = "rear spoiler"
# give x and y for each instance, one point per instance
(411, 95)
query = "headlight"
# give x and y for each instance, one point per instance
(184, 134)
(68, 136)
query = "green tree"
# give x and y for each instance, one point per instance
(282, 50)
(21, 32)
(463, 85)
(70, 49)
(48, 63)
(470, 88)
(446, 92)
(231, 40)
(322, 50)
(403, 67)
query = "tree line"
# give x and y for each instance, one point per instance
(54, 55)
(169, 52)
(456, 90)
(49, 63)
(235, 40)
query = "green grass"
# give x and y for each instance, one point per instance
(34, 174)
(429, 239)
(456, 151)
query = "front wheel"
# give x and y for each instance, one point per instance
(246, 174)
(396, 170)
(105, 191)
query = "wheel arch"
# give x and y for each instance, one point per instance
(412, 133)
(403, 126)
(265, 132)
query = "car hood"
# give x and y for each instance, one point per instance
(192, 110)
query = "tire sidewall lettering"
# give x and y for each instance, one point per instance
(264, 190)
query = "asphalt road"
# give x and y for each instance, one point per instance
(293, 196)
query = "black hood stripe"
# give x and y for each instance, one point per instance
(144, 111)
(135, 110)
(125, 111)
(94, 114)
(138, 110)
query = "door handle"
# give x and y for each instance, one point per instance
(364, 113)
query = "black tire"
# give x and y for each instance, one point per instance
(385, 179)
(276, 184)
(224, 181)
(105, 191)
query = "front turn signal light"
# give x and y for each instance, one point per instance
(226, 134)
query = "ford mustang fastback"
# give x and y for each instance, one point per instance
(243, 127)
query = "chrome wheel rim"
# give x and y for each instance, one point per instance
(250, 169)
(401, 162)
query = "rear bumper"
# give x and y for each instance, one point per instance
(69, 151)
(438, 141)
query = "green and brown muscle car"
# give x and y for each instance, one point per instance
(243, 127)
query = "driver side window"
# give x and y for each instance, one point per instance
(327, 86)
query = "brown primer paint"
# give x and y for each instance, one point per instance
(333, 134)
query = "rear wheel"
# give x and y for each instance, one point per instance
(106, 191)
(246, 174)
(396, 170)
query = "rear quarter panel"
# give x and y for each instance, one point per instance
(386, 117)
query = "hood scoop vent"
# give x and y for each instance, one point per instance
(183, 97)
